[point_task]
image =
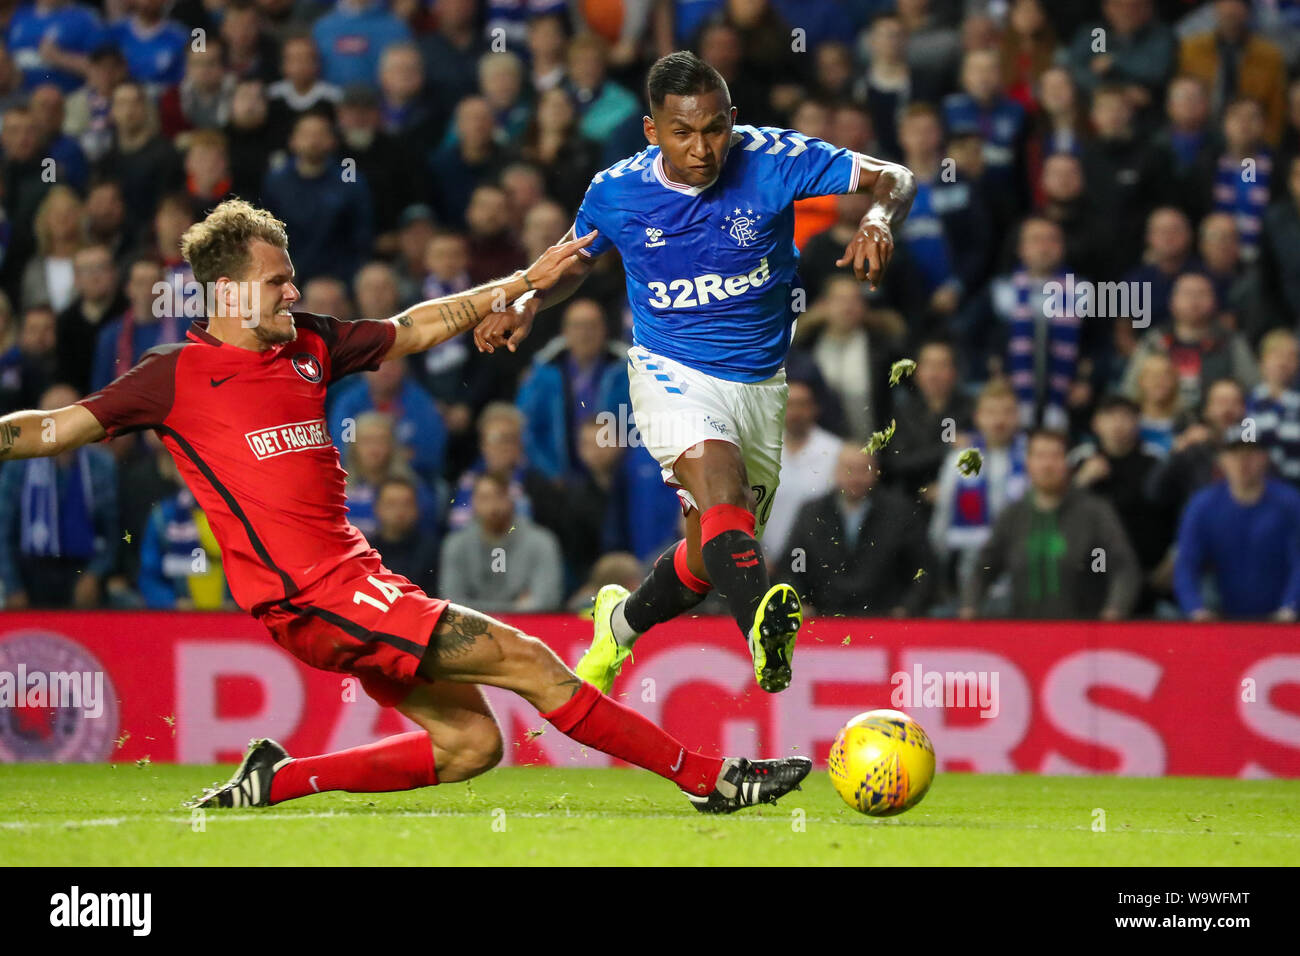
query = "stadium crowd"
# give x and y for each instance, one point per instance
(1099, 283)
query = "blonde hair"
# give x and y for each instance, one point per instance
(995, 388)
(1173, 406)
(1277, 339)
(218, 246)
(41, 225)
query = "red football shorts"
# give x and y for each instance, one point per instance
(360, 619)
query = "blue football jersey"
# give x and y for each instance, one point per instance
(711, 270)
(156, 57)
(74, 27)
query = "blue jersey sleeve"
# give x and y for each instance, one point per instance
(82, 31)
(591, 216)
(94, 34)
(176, 71)
(808, 166)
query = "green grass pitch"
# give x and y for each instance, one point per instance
(124, 815)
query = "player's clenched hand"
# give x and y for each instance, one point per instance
(554, 264)
(507, 329)
(869, 251)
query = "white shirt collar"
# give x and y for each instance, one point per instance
(662, 175)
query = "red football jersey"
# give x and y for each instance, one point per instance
(247, 431)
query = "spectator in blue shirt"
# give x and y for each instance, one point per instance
(1245, 198)
(688, 16)
(153, 45)
(372, 456)
(46, 106)
(576, 377)
(948, 231)
(59, 523)
(325, 205)
(419, 428)
(51, 41)
(510, 17)
(982, 107)
(180, 560)
(1246, 531)
(352, 38)
(824, 20)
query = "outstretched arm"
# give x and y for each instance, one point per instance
(507, 329)
(425, 325)
(40, 434)
(892, 188)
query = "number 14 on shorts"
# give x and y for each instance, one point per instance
(388, 594)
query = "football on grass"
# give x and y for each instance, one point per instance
(882, 763)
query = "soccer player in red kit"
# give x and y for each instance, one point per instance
(240, 405)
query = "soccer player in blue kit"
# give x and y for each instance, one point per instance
(704, 222)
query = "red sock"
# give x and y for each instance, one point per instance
(593, 719)
(401, 762)
(684, 573)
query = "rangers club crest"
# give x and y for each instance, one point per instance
(308, 366)
(57, 703)
(742, 226)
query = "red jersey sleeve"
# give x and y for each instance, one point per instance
(353, 346)
(142, 397)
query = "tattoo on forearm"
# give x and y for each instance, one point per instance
(458, 315)
(8, 435)
(404, 320)
(457, 632)
(468, 313)
(573, 683)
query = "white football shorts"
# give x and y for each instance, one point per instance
(676, 407)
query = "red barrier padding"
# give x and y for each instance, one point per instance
(995, 696)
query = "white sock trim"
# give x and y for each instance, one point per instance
(623, 633)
